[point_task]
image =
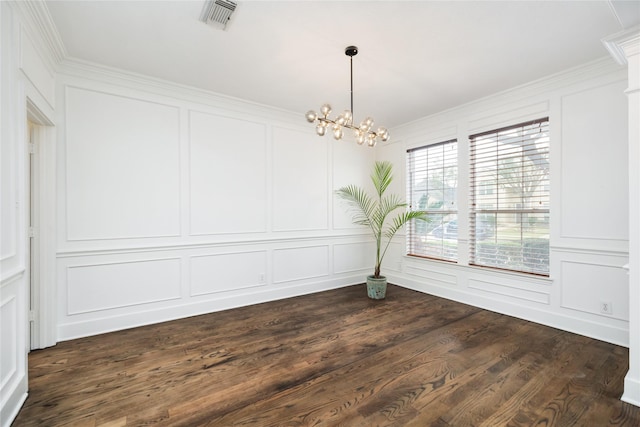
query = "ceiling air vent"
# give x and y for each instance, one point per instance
(217, 12)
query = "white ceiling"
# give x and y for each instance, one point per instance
(416, 57)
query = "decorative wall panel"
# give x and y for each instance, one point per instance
(300, 263)
(353, 257)
(8, 330)
(300, 181)
(13, 347)
(227, 175)
(588, 285)
(122, 167)
(120, 284)
(226, 272)
(514, 290)
(434, 276)
(352, 165)
(8, 219)
(594, 158)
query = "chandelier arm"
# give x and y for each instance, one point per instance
(346, 125)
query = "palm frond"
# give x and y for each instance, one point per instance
(382, 176)
(400, 220)
(387, 205)
(360, 205)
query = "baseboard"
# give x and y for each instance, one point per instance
(631, 391)
(10, 409)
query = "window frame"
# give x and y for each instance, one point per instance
(477, 187)
(412, 236)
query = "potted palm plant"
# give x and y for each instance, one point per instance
(376, 212)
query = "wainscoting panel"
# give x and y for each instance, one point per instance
(122, 167)
(300, 263)
(300, 181)
(227, 272)
(13, 336)
(108, 290)
(10, 351)
(588, 285)
(227, 175)
(353, 257)
(511, 290)
(97, 287)
(392, 260)
(432, 275)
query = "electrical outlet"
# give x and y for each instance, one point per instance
(606, 307)
(261, 279)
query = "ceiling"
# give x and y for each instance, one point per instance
(415, 58)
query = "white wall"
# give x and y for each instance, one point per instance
(27, 86)
(170, 202)
(173, 202)
(587, 108)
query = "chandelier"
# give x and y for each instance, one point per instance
(363, 132)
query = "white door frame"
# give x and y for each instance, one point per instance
(43, 277)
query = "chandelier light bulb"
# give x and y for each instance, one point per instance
(337, 131)
(371, 140)
(320, 129)
(360, 138)
(325, 110)
(347, 116)
(366, 124)
(311, 116)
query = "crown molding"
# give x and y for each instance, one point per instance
(37, 19)
(79, 68)
(623, 44)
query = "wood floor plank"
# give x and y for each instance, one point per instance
(353, 385)
(332, 359)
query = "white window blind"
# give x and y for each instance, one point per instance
(432, 187)
(509, 206)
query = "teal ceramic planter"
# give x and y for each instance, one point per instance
(376, 288)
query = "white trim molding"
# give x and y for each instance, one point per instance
(623, 44)
(625, 49)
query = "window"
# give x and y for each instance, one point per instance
(509, 198)
(433, 188)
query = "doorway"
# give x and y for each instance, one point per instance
(40, 185)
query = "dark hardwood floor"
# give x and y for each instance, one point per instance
(333, 359)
